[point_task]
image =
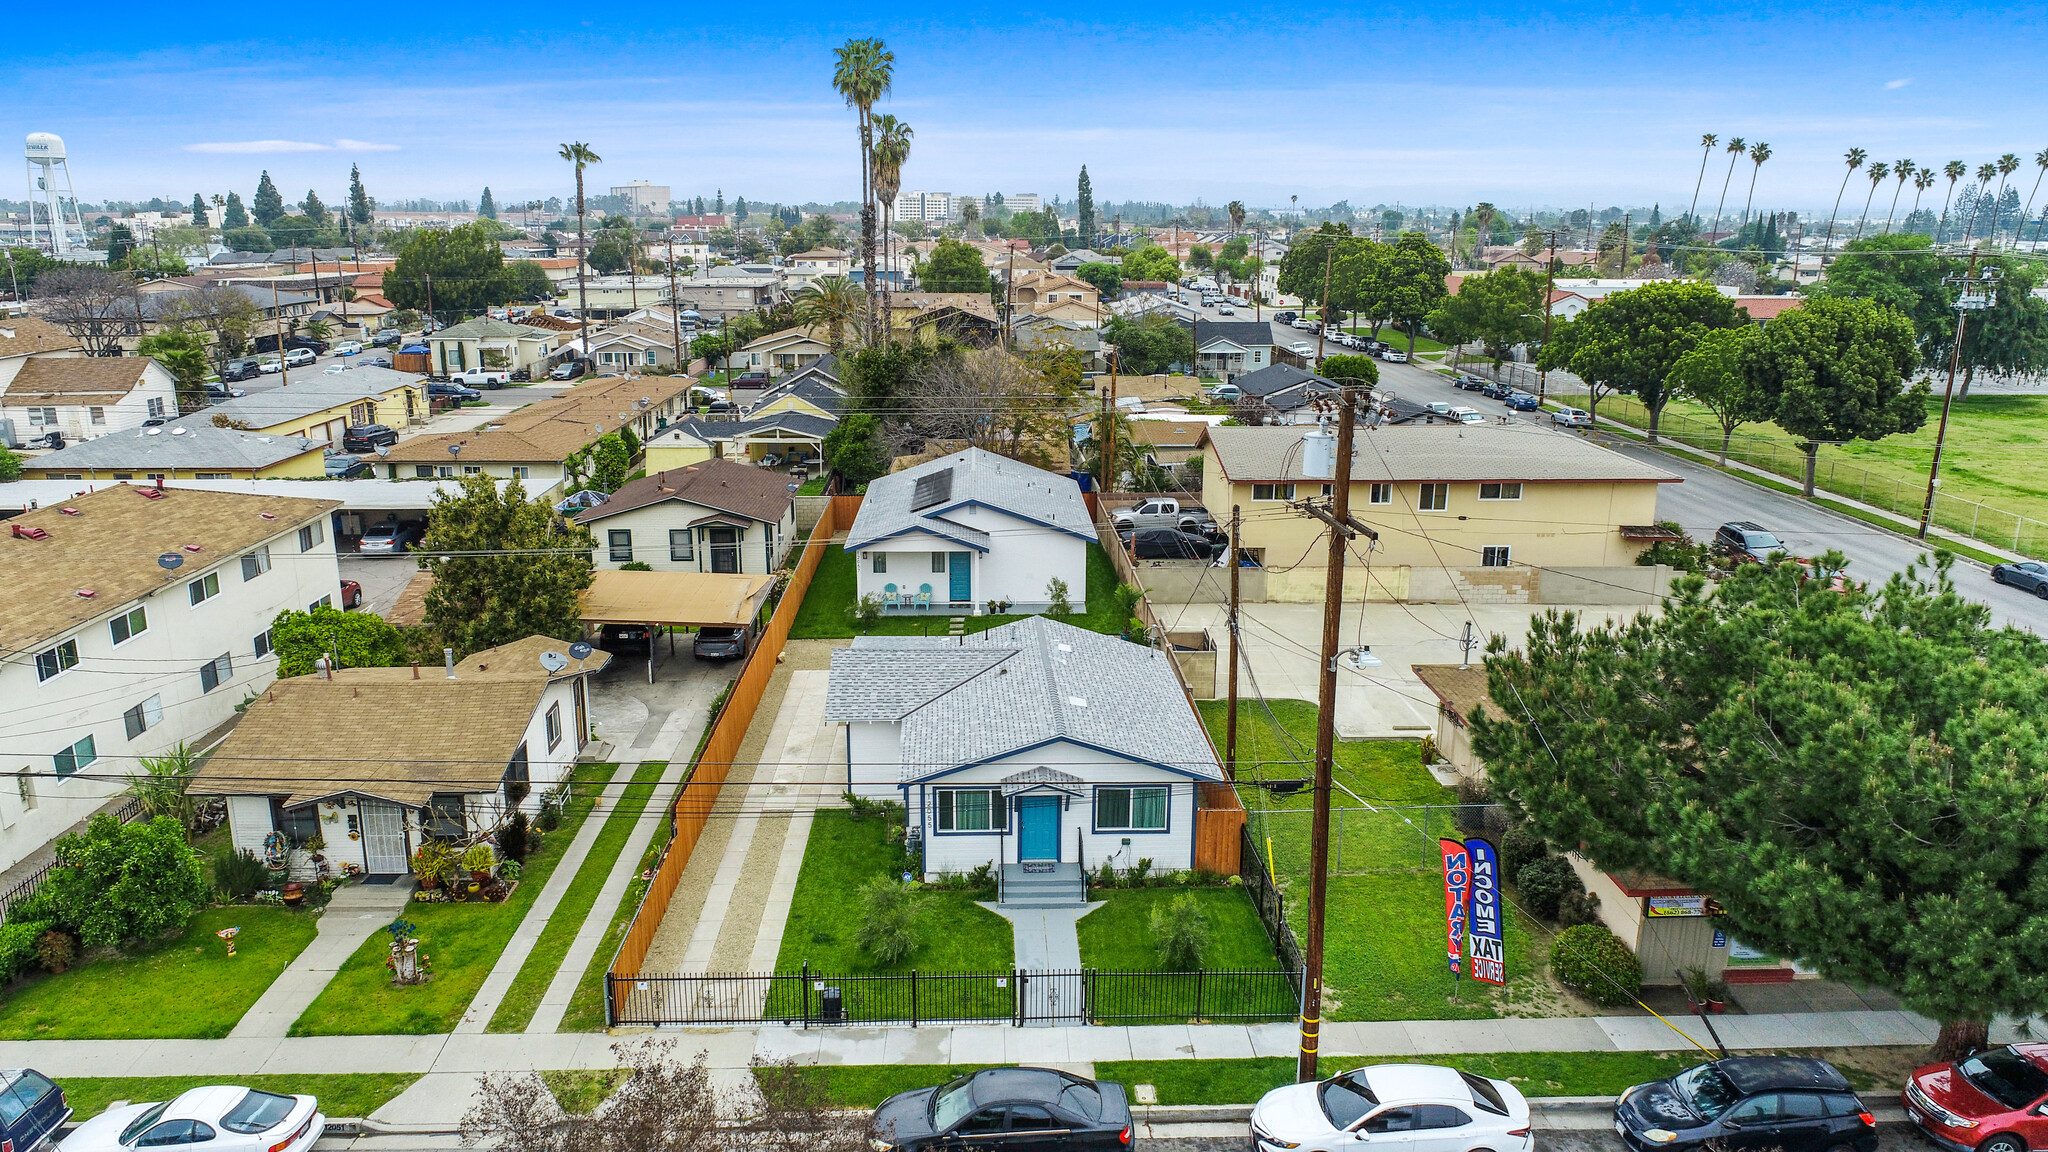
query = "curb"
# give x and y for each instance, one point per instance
(1539, 1107)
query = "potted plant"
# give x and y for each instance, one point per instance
(1696, 983)
(431, 864)
(478, 861)
(1717, 997)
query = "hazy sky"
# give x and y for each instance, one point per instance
(1563, 104)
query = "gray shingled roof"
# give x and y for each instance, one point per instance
(971, 699)
(151, 449)
(981, 478)
(1433, 452)
(309, 392)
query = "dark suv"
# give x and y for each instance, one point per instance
(237, 370)
(1747, 541)
(720, 643)
(32, 1109)
(367, 438)
(1788, 1103)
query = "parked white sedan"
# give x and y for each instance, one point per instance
(1410, 1107)
(223, 1118)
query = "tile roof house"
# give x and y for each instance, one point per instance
(428, 754)
(1036, 746)
(181, 452)
(85, 397)
(137, 618)
(970, 528)
(716, 516)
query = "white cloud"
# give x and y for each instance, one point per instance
(1891, 84)
(364, 146)
(258, 147)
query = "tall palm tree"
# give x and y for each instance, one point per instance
(2027, 213)
(1759, 153)
(1902, 172)
(892, 148)
(1735, 147)
(1235, 209)
(1878, 172)
(1707, 142)
(862, 77)
(1922, 181)
(581, 155)
(1954, 170)
(832, 303)
(1984, 174)
(2007, 165)
(1855, 158)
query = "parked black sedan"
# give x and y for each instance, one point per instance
(1026, 1109)
(1167, 544)
(2026, 575)
(1789, 1103)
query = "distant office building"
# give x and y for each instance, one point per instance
(931, 207)
(646, 199)
(1014, 201)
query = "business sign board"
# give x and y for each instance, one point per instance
(1681, 906)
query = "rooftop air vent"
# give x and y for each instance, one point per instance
(1078, 701)
(152, 431)
(177, 431)
(156, 493)
(85, 593)
(22, 532)
(68, 511)
(267, 515)
(192, 548)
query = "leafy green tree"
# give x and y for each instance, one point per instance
(1711, 375)
(610, 460)
(486, 206)
(467, 266)
(713, 347)
(954, 267)
(1151, 263)
(24, 266)
(527, 280)
(1150, 344)
(120, 245)
(1630, 341)
(295, 231)
(1902, 271)
(268, 204)
(315, 210)
(878, 379)
(358, 200)
(1200, 257)
(355, 639)
(858, 450)
(10, 465)
(529, 587)
(1833, 371)
(1311, 261)
(1107, 278)
(1411, 282)
(234, 215)
(118, 882)
(612, 251)
(1500, 310)
(182, 353)
(199, 217)
(1858, 776)
(1349, 368)
(246, 238)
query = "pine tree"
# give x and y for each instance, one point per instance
(199, 219)
(1656, 215)
(487, 207)
(720, 207)
(234, 215)
(739, 210)
(120, 242)
(358, 200)
(1084, 208)
(314, 209)
(268, 207)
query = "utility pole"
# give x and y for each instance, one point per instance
(1625, 223)
(284, 370)
(1549, 286)
(1323, 328)
(1230, 734)
(675, 308)
(1258, 297)
(1467, 642)
(1975, 293)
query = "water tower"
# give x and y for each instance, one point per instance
(47, 166)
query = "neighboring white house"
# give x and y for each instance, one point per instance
(87, 396)
(969, 528)
(1035, 745)
(426, 753)
(25, 338)
(806, 268)
(112, 654)
(780, 352)
(714, 516)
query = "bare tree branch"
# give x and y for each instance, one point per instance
(94, 306)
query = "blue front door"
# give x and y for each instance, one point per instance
(963, 585)
(1038, 828)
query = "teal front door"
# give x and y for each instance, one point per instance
(958, 567)
(1038, 828)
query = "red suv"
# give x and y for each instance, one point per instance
(1992, 1102)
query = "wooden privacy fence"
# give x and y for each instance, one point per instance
(728, 730)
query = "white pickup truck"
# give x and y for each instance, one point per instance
(1160, 512)
(482, 377)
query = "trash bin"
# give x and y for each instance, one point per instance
(829, 1006)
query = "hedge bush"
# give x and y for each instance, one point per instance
(1545, 883)
(18, 946)
(1518, 846)
(1593, 962)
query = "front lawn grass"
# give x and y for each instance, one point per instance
(586, 1007)
(1384, 939)
(1534, 1073)
(463, 941)
(350, 1094)
(580, 1090)
(186, 987)
(866, 1085)
(827, 611)
(1117, 936)
(523, 998)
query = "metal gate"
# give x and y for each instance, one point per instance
(383, 838)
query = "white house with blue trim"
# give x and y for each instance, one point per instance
(1036, 745)
(969, 528)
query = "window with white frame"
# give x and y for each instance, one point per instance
(1494, 556)
(682, 544)
(143, 716)
(1134, 809)
(51, 662)
(1272, 491)
(309, 536)
(128, 625)
(97, 414)
(213, 476)
(620, 541)
(938, 561)
(1433, 498)
(881, 562)
(554, 725)
(423, 471)
(970, 810)
(521, 472)
(256, 563)
(216, 672)
(71, 759)
(1500, 491)
(1380, 494)
(323, 602)
(263, 644)
(42, 417)
(203, 589)
(156, 406)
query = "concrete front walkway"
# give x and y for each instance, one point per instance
(1046, 940)
(356, 913)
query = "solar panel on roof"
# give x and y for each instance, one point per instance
(932, 488)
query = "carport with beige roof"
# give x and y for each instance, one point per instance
(673, 600)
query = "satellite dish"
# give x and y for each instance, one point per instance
(580, 650)
(454, 449)
(553, 661)
(169, 561)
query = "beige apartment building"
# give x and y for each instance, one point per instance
(1495, 513)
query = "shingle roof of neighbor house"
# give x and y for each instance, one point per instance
(547, 430)
(432, 734)
(975, 477)
(1462, 690)
(110, 547)
(23, 335)
(176, 446)
(1433, 452)
(75, 380)
(968, 700)
(305, 395)
(727, 485)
